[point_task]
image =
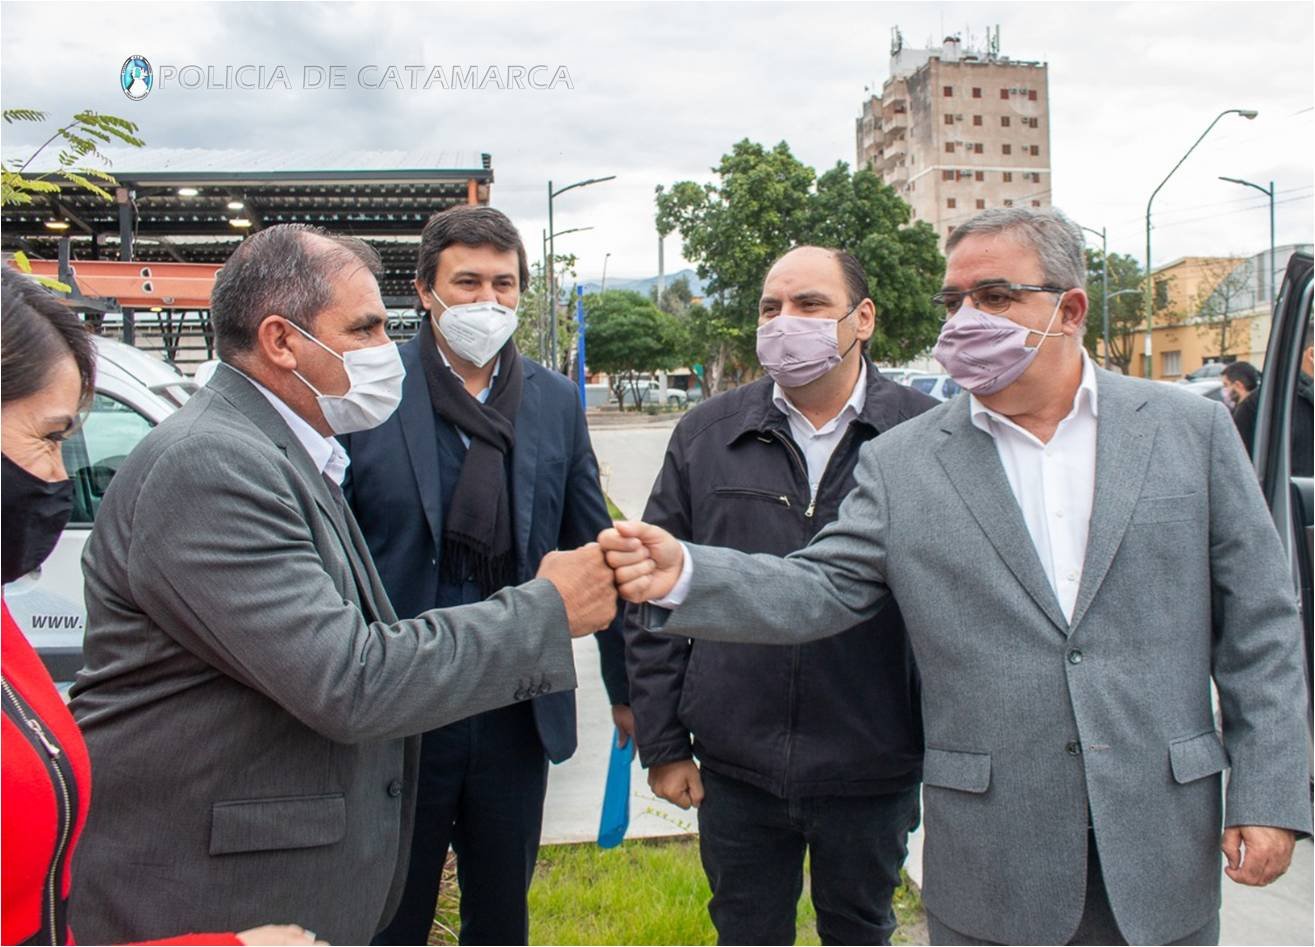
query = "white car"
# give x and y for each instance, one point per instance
(134, 392)
(940, 387)
(651, 393)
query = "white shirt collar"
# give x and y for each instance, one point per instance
(483, 395)
(982, 416)
(325, 453)
(852, 408)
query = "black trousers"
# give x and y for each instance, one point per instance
(482, 784)
(753, 846)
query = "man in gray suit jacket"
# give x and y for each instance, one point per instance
(1076, 555)
(249, 692)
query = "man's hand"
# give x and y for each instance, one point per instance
(624, 718)
(584, 581)
(679, 783)
(1257, 854)
(646, 559)
(278, 934)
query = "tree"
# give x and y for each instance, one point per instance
(78, 145)
(80, 142)
(676, 297)
(1127, 317)
(767, 201)
(628, 338)
(532, 327)
(1227, 289)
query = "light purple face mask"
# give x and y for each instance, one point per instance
(796, 350)
(986, 353)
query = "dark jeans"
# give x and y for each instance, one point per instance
(1097, 925)
(482, 783)
(753, 845)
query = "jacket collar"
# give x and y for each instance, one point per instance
(881, 407)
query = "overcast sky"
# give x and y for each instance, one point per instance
(661, 91)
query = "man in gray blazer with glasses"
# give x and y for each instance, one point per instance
(1077, 555)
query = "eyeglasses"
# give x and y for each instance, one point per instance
(995, 298)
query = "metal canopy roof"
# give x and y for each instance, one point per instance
(384, 197)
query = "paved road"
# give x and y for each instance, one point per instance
(630, 459)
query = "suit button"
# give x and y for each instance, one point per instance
(395, 788)
(519, 695)
(1073, 748)
(1075, 656)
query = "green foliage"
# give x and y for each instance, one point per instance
(766, 202)
(641, 892)
(1127, 318)
(79, 143)
(676, 297)
(629, 337)
(533, 324)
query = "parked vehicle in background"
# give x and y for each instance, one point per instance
(134, 392)
(1212, 388)
(899, 375)
(1208, 370)
(651, 393)
(940, 387)
(1287, 487)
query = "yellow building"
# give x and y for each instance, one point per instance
(1210, 309)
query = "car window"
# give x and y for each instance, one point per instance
(951, 388)
(95, 451)
(924, 385)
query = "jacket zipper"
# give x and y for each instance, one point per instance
(801, 467)
(65, 822)
(757, 494)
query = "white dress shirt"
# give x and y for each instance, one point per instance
(325, 453)
(818, 444)
(482, 397)
(1054, 483)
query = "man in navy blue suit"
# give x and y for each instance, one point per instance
(484, 468)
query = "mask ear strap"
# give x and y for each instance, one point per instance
(1048, 334)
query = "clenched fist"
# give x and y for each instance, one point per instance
(584, 581)
(679, 783)
(647, 560)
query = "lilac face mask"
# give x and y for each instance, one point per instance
(796, 350)
(986, 353)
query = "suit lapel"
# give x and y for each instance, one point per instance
(525, 456)
(416, 415)
(1125, 434)
(972, 463)
(235, 387)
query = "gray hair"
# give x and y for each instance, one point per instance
(281, 270)
(1056, 240)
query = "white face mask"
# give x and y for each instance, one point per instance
(476, 331)
(375, 387)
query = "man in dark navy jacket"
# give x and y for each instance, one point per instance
(485, 468)
(814, 748)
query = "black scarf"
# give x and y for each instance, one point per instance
(477, 530)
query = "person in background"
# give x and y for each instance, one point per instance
(810, 750)
(484, 468)
(1240, 382)
(46, 379)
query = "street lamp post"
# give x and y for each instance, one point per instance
(1150, 325)
(1268, 192)
(603, 289)
(549, 269)
(552, 287)
(1104, 290)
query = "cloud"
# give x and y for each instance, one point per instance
(661, 91)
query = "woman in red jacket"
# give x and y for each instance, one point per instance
(46, 378)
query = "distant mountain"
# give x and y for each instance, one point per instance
(644, 286)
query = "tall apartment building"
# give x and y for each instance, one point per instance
(956, 131)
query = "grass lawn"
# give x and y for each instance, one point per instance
(643, 892)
